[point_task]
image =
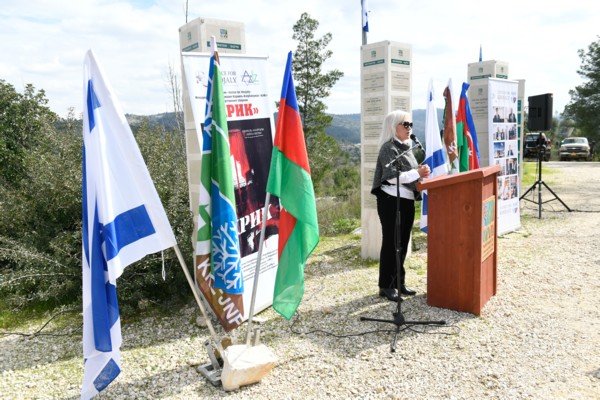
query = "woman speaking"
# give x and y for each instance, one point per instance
(395, 140)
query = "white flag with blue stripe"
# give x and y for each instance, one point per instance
(365, 15)
(123, 220)
(435, 154)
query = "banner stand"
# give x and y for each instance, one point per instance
(257, 275)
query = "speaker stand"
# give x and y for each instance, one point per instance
(539, 184)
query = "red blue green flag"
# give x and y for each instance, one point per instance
(290, 180)
(466, 135)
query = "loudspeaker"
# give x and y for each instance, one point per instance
(540, 112)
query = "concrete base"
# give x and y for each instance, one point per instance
(244, 365)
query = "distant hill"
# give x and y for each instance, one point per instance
(345, 128)
(165, 119)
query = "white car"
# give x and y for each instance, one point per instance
(574, 148)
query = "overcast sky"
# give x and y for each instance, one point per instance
(44, 43)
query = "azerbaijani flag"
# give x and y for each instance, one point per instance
(450, 129)
(217, 240)
(465, 134)
(289, 179)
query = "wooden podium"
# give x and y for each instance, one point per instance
(462, 239)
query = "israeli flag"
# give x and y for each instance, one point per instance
(435, 153)
(365, 15)
(123, 220)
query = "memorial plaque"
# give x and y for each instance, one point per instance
(370, 153)
(374, 82)
(401, 103)
(368, 173)
(373, 106)
(401, 80)
(372, 130)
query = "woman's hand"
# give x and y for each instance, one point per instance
(423, 170)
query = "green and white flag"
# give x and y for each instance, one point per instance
(217, 241)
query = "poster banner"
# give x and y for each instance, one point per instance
(251, 131)
(503, 150)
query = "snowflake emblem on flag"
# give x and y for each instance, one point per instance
(226, 256)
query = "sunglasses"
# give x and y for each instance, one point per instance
(407, 124)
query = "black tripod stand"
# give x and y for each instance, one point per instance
(399, 319)
(541, 151)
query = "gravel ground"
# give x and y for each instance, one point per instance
(538, 338)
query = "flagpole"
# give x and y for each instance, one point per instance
(198, 300)
(257, 269)
(363, 5)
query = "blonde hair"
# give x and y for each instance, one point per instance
(391, 121)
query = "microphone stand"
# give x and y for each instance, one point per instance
(399, 319)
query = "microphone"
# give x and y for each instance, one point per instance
(414, 139)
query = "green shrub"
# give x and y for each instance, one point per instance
(339, 215)
(40, 224)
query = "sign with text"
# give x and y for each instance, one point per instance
(488, 227)
(251, 132)
(503, 150)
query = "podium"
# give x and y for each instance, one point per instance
(462, 239)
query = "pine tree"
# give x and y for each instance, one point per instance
(584, 107)
(312, 87)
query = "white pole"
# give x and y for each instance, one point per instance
(257, 269)
(198, 300)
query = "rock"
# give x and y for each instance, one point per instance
(201, 322)
(244, 365)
